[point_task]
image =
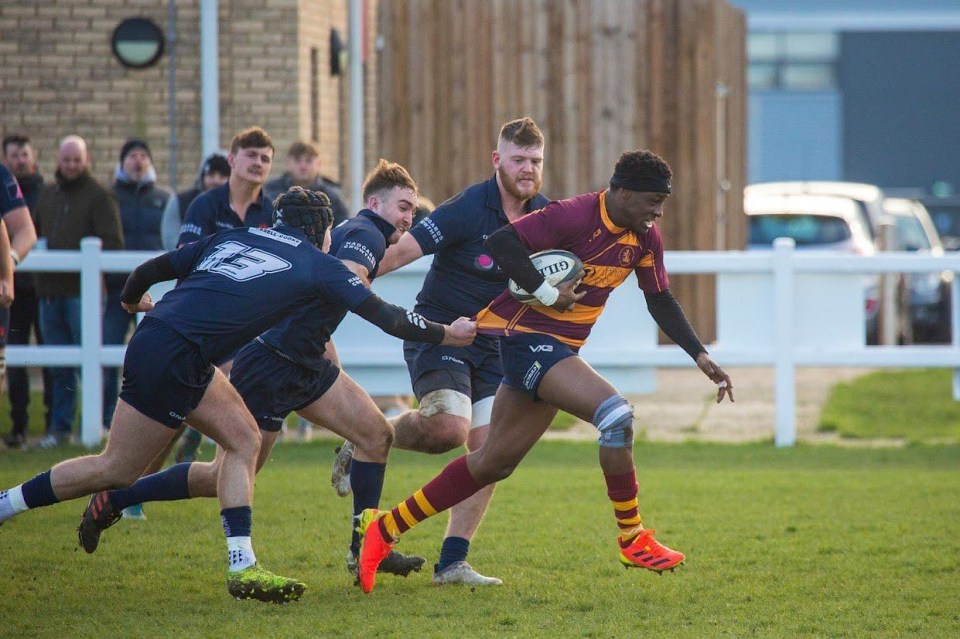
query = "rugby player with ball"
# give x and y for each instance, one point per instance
(614, 234)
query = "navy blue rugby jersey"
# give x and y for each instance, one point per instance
(303, 336)
(210, 213)
(11, 197)
(463, 278)
(237, 283)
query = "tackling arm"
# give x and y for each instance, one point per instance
(158, 269)
(399, 322)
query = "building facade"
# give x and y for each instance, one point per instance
(59, 76)
(864, 91)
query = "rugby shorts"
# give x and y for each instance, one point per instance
(272, 385)
(526, 358)
(164, 375)
(473, 370)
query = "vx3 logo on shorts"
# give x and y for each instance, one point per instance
(542, 348)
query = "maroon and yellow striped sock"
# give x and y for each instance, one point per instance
(622, 491)
(450, 487)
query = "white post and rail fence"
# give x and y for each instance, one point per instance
(782, 309)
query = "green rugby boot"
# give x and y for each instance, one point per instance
(256, 583)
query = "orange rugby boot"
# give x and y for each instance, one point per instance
(647, 552)
(374, 548)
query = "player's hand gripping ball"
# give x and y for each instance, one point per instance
(555, 265)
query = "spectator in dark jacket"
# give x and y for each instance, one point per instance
(19, 157)
(74, 207)
(303, 169)
(142, 204)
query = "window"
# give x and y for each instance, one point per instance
(792, 61)
(909, 234)
(806, 230)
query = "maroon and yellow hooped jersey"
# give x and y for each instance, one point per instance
(610, 253)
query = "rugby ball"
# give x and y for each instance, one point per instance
(555, 265)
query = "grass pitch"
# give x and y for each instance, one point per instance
(802, 542)
(910, 405)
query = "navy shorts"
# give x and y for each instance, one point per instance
(273, 385)
(164, 375)
(472, 370)
(527, 358)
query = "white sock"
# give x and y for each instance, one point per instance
(11, 503)
(240, 553)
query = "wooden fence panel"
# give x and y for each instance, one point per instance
(600, 77)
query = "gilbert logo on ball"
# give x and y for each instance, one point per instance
(555, 265)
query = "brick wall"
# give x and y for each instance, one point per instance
(59, 76)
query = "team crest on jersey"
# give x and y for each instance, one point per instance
(484, 262)
(626, 256)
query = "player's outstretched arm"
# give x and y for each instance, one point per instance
(408, 325)
(716, 375)
(144, 304)
(134, 297)
(460, 333)
(669, 316)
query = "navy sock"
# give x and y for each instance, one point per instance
(167, 485)
(454, 549)
(39, 491)
(366, 482)
(237, 522)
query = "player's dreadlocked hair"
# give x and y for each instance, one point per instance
(306, 210)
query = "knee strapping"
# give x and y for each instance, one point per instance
(447, 401)
(614, 420)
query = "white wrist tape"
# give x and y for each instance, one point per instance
(547, 294)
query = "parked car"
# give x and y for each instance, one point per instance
(867, 197)
(945, 213)
(927, 294)
(815, 223)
